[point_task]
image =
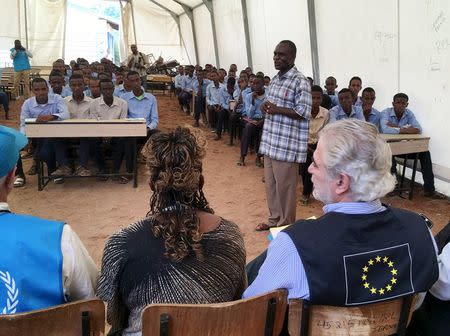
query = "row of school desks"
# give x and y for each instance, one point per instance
(133, 128)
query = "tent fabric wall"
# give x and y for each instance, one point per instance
(125, 27)
(204, 36)
(269, 25)
(230, 36)
(12, 27)
(188, 40)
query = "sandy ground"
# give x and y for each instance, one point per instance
(97, 209)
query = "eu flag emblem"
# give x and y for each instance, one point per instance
(378, 275)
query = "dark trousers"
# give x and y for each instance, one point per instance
(144, 82)
(199, 107)
(185, 99)
(4, 100)
(212, 116)
(234, 124)
(426, 167)
(52, 151)
(306, 176)
(19, 168)
(222, 120)
(126, 148)
(250, 133)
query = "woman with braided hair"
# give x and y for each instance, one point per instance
(181, 252)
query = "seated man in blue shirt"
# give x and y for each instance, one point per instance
(187, 87)
(345, 109)
(330, 87)
(401, 120)
(359, 251)
(371, 114)
(355, 85)
(214, 99)
(240, 92)
(46, 107)
(223, 114)
(252, 120)
(57, 85)
(200, 87)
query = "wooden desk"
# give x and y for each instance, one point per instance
(86, 128)
(402, 144)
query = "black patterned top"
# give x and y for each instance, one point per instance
(135, 273)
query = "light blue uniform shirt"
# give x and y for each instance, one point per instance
(374, 116)
(226, 97)
(187, 83)
(214, 95)
(178, 80)
(236, 94)
(283, 267)
(20, 60)
(31, 109)
(334, 99)
(388, 116)
(337, 113)
(253, 111)
(146, 108)
(65, 92)
(205, 84)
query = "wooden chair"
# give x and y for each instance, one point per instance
(257, 316)
(81, 318)
(376, 319)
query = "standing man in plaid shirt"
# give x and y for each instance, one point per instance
(285, 135)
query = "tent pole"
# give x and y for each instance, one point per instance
(64, 32)
(26, 23)
(209, 5)
(247, 34)
(190, 15)
(134, 23)
(313, 40)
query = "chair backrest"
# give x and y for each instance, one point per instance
(375, 319)
(81, 318)
(258, 316)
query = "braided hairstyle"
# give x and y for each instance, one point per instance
(175, 163)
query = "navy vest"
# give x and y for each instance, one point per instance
(30, 263)
(358, 259)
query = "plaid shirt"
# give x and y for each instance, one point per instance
(283, 138)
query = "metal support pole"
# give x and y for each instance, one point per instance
(134, 23)
(209, 5)
(247, 34)
(26, 23)
(190, 14)
(64, 33)
(313, 40)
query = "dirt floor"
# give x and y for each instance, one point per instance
(97, 209)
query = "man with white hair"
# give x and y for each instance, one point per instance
(360, 250)
(42, 262)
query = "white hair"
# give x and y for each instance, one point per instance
(355, 148)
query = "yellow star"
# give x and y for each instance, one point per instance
(385, 259)
(390, 264)
(394, 280)
(381, 291)
(378, 259)
(365, 269)
(373, 290)
(366, 285)
(388, 287)
(364, 277)
(370, 262)
(394, 271)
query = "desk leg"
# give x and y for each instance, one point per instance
(39, 173)
(413, 176)
(135, 167)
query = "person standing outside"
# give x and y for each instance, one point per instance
(21, 62)
(138, 62)
(284, 139)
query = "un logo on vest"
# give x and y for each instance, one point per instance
(9, 294)
(378, 275)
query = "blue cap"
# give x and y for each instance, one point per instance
(11, 142)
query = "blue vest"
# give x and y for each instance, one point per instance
(21, 61)
(359, 259)
(30, 263)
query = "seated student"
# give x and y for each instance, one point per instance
(266, 81)
(182, 252)
(187, 87)
(200, 87)
(240, 92)
(401, 120)
(369, 252)
(330, 87)
(109, 107)
(124, 87)
(319, 118)
(59, 65)
(79, 105)
(57, 85)
(46, 107)
(252, 120)
(345, 109)
(222, 76)
(355, 85)
(44, 261)
(223, 114)
(94, 88)
(214, 99)
(4, 101)
(371, 114)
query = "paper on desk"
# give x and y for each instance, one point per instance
(275, 230)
